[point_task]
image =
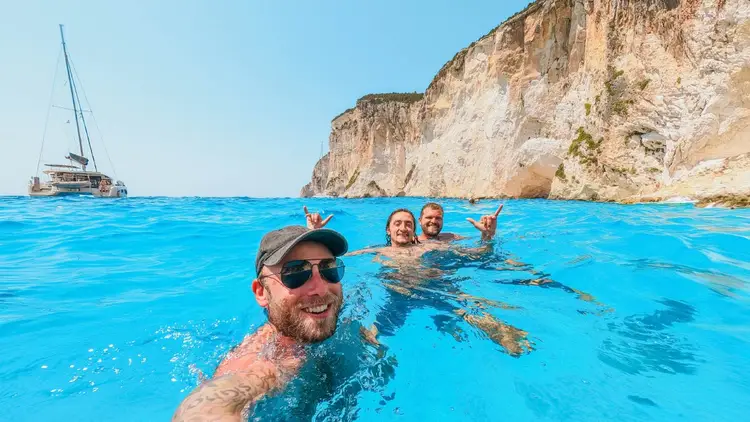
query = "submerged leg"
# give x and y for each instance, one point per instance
(401, 300)
(510, 338)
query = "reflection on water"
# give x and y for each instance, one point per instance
(6, 294)
(431, 282)
(410, 288)
(642, 400)
(646, 345)
(489, 258)
(721, 283)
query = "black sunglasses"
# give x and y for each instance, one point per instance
(296, 273)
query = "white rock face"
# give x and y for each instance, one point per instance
(595, 100)
(367, 149)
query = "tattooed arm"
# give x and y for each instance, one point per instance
(223, 399)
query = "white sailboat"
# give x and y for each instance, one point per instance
(73, 178)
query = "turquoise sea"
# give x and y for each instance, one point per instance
(109, 308)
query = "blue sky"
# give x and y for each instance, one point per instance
(227, 98)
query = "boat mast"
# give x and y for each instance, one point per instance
(72, 94)
(85, 128)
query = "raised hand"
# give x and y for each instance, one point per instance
(315, 221)
(487, 224)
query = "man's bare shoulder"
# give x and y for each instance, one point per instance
(244, 354)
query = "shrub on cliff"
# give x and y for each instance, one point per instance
(399, 97)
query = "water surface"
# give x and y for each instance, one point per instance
(577, 311)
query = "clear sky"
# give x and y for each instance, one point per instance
(214, 98)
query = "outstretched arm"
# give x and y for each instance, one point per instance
(363, 251)
(488, 246)
(223, 399)
(453, 237)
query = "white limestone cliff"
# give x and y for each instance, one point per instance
(368, 148)
(618, 101)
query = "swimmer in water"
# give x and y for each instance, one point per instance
(400, 234)
(431, 219)
(401, 242)
(410, 286)
(431, 222)
(297, 281)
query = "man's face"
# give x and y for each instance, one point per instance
(401, 229)
(431, 222)
(308, 313)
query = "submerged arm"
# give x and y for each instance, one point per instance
(450, 237)
(486, 247)
(363, 251)
(223, 399)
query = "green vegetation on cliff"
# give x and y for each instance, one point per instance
(560, 173)
(352, 179)
(398, 97)
(583, 137)
(585, 148)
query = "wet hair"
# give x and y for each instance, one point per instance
(388, 224)
(433, 206)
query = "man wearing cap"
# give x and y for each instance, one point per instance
(297, 281)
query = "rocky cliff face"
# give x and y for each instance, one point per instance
(368, 147)
(617, 100)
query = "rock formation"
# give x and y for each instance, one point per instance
(596, 100)
(368, 147)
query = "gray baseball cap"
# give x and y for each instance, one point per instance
(276, 244)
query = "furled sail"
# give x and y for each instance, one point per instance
(78, 159)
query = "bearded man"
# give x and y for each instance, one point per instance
(298, 283)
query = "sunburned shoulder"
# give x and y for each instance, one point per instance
(237, 360)
(243, 355)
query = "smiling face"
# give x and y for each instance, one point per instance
(401, 228)
(309, 313)
(431, 221)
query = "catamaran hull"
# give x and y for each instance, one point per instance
(114, 192)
